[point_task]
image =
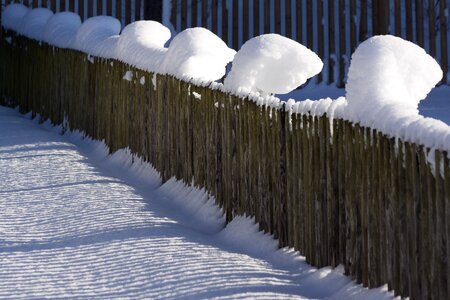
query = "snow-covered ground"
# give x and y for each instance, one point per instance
(435, 105)
(78, 223)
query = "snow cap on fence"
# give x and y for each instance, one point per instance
(33, 23)
(389, 75)
(142, 44)
(93, 32)
(61, 29)
(271, 63)
(197, 53)
(13, 15)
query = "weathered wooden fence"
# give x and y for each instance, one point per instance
(337, 192)
(331, 28)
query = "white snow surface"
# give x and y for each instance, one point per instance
(33, 23)
(79, 223)
(197, 53)
(93, 32)
(387, 78)
(272, 64)
(61, 29)
(12, 16)
(141, 44)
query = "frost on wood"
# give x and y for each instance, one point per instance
(197, 53)
(12, 16)
(61, 29)
(271, 63)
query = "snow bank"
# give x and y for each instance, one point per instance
(389, 75)
(197, 53)
(61, 29)
(141, 44)
(93, 32)
(271, 63)
(12, 16)
(33, 23)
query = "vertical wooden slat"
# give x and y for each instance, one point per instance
(194, 14)
(363, 21)
(127, 12)
(266, 16)
(53, 5)
(235, 32)
(431, 28)
(119, 10)
(63, 5)
(444, 46)
(225, 22)
(331, 42)
(44, 3)
(309, 24)
(277, 14)
(204, 21)
(245, 20)
(419, 22)
(320, 34)
(342, 39)
(71, 6)
(108, 7)
(90, 11)
(183, 14)
(409, 20)
(81, 9)
(100, 7)
(398, 18)
(256, 18)
(288, 12)
(299, 20)
(353, 25)
(36, 3)
(214, 18)
(375, 17)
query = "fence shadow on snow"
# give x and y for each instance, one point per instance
(335, 191)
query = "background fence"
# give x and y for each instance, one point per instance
(331, 28)
(337, 192)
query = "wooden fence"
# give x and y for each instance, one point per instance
(331, 28)
(337, 192)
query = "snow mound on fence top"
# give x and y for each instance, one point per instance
(93, 31)
(387, 78)
(61, 29)
(197, 53)
(13, 15)
(141, 44)
(271, 63)
(33, 23)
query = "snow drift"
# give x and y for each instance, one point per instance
(141, 44)
(197, 53)
(271, 63)
(33, 23)
(388, 77)
(12, 16)
(61, 29)
(93, 32)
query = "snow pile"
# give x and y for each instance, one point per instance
(387, 78)
(33, 23)
(197, 53)
(141, 44)
(271, 63)
(12, 16)
(61, 29)
(95, 31)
